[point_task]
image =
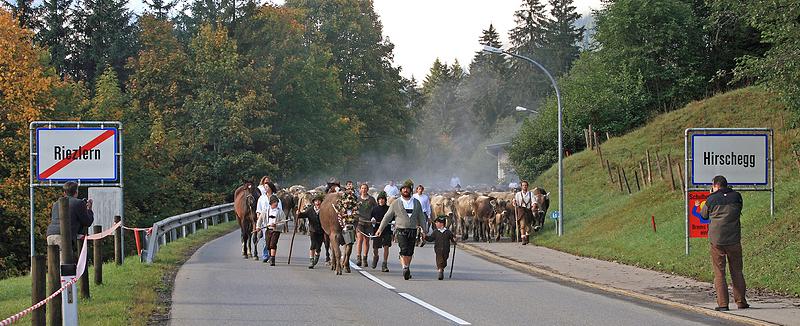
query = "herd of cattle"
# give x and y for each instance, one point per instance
(485, 215)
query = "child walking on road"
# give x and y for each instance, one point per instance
(441, 238)
(269, 220)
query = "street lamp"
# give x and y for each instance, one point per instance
(524, 109)
(495, 50)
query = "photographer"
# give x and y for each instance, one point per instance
(80, 213)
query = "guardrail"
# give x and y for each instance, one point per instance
(186, 223)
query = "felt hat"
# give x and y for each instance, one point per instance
(441, 219)
(319, 197)
(382, 194)
(408, 184)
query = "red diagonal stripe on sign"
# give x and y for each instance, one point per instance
(64, 162)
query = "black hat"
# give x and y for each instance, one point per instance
(319, 197)
(441, 219)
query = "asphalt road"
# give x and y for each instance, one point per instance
(218, 287)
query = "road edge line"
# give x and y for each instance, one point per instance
(492, 257)
(434, 309)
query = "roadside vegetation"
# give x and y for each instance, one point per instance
(131, 294)
(601, 221)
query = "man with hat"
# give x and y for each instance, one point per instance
(441, 238)
(408, 216)
(385, 240)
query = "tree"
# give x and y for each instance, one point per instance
(109, 103)
(563, 37)
(25, 96)
(55, 31)
(484, 91)
(529, 38)
(24, 12)
(105, 37)
(160, 8)
(370, 85)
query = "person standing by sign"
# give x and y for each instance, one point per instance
(80, 214)
(724, 207)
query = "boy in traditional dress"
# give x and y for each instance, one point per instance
(315, 232)
(441, 238)
(385, 240)
(269, 221)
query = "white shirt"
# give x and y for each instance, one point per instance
(425, 201)
(454, 181)
(264, 195)
(263, 189)
(263, 204)
(273, 214)
(513, 185)
(524, 199)
(408, 205)
(391, 191)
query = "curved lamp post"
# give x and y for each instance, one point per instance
(491, 49)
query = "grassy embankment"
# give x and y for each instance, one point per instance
(602, 222)
(129, 294)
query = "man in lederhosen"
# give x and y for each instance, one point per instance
(407, 213)
(523, 204)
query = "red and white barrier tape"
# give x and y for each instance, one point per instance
(80, 269)
(147, 230)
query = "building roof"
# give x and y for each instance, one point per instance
(494, 149)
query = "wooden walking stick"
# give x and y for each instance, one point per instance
(453, 261)
(291, 244)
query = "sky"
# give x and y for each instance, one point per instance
(423, 30)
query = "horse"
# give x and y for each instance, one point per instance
(329, 218)
(244, 203)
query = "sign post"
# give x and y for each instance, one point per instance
(744, 156)
(87, 152)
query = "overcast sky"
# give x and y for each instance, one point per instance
(423, 30)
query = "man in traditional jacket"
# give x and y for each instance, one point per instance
(407, 213)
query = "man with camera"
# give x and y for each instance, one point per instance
(80, 214)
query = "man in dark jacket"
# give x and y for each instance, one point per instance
(315, 231)
(724, 207)
(80, 214)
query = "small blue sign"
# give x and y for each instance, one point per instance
(554, 215)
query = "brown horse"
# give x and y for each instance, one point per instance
(244, 203)
(329, 218)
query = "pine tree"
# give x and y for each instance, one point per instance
(483, 60)
(563, 36)
(105, 38)
(55, 31)
(484, 91)
(529, 38)
(160, 8)
(24, 12)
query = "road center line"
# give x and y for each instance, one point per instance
(411, 298)
(430, 307)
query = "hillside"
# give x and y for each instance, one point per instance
(602, 222)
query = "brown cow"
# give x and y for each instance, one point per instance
(484, 224)
(465, 213)
(330, 220)
(445, 206)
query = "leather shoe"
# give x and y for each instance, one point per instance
(745, 306)
(721, 309)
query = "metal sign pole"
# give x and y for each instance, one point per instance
(30, 186)
(686, 188)
(771, 174)
(121, 193)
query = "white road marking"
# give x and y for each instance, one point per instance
(377, 280)
(412, 298)
(430, 307)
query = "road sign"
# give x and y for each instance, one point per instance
(82, 154)
(554, 215)
(742, 158)
(698, 226)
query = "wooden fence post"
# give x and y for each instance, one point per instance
(649, 171)
(38, 287)
(586, 138)
(680, 174)
(610, 176)
(636, 177)
(118, 242)
(596, 142)
(53, 284)
(644, 178)
(619, 178)
(591, 143)
(98, 256)
(626, 180)
(608, 135)
(671, 174)
(84, 281)
(600, 152)
(658, 163)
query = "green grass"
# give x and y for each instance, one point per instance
(602, 222)
(130, 292)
